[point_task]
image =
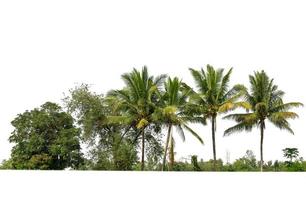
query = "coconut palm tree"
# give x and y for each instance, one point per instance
(213, 97)
(265, 102)
(137, 100)
(171, 113)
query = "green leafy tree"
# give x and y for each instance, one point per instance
(125, 155)
(154, 150)
(107, 148)
(290, 153)
(171, 112)
(213, 97)
(265, 102)
(136, 102)
(45, 138)
(121, 154)
(246, 163)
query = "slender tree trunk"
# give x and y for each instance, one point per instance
(171, 154)
(261, 145)
(166, 147)
(213, 129)
(142, 149)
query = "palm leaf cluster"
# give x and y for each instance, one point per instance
(171, 112)
(137, 100)
(265, 102)
(214, 96)
(171, 104)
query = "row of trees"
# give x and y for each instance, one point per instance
(115, 126)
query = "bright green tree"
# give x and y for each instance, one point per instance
(266, 103)
(137, 103)
(171, 112)
(246, 163)
(45, 138)
(213, 97)
(107, 148)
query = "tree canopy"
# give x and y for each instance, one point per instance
(45, 138)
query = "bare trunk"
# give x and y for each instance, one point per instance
(166, 147)
(142, 149)
(171, 154)
(261, 145)
(213, 129)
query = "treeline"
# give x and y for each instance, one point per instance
(125, 129)
(247, 163)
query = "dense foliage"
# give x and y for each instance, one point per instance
(247, 163)
(45, 138)
(125, 129)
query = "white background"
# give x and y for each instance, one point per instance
(37, 185)
(47, 47)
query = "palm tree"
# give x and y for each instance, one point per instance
(265, 102)
(137, 101)
(214, 97)
(171, 113)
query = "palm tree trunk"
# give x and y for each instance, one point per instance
(142, 149)
(213, 129)
(171, 154)
(261, 145)
(166, 147)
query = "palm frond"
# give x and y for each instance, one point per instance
(235, 92)
(282, 124)
(194, 119)
(242, 126)
(226, 107)
(243, 104)
(199, 78)
(224, 84)
(180, 131)
(245, 117)
(159, 80)
(193, 132)
(286, 106)
(283, 115)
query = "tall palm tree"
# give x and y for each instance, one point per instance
(265, 102)
(171, 113)
(137, 100)
(214, 97)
